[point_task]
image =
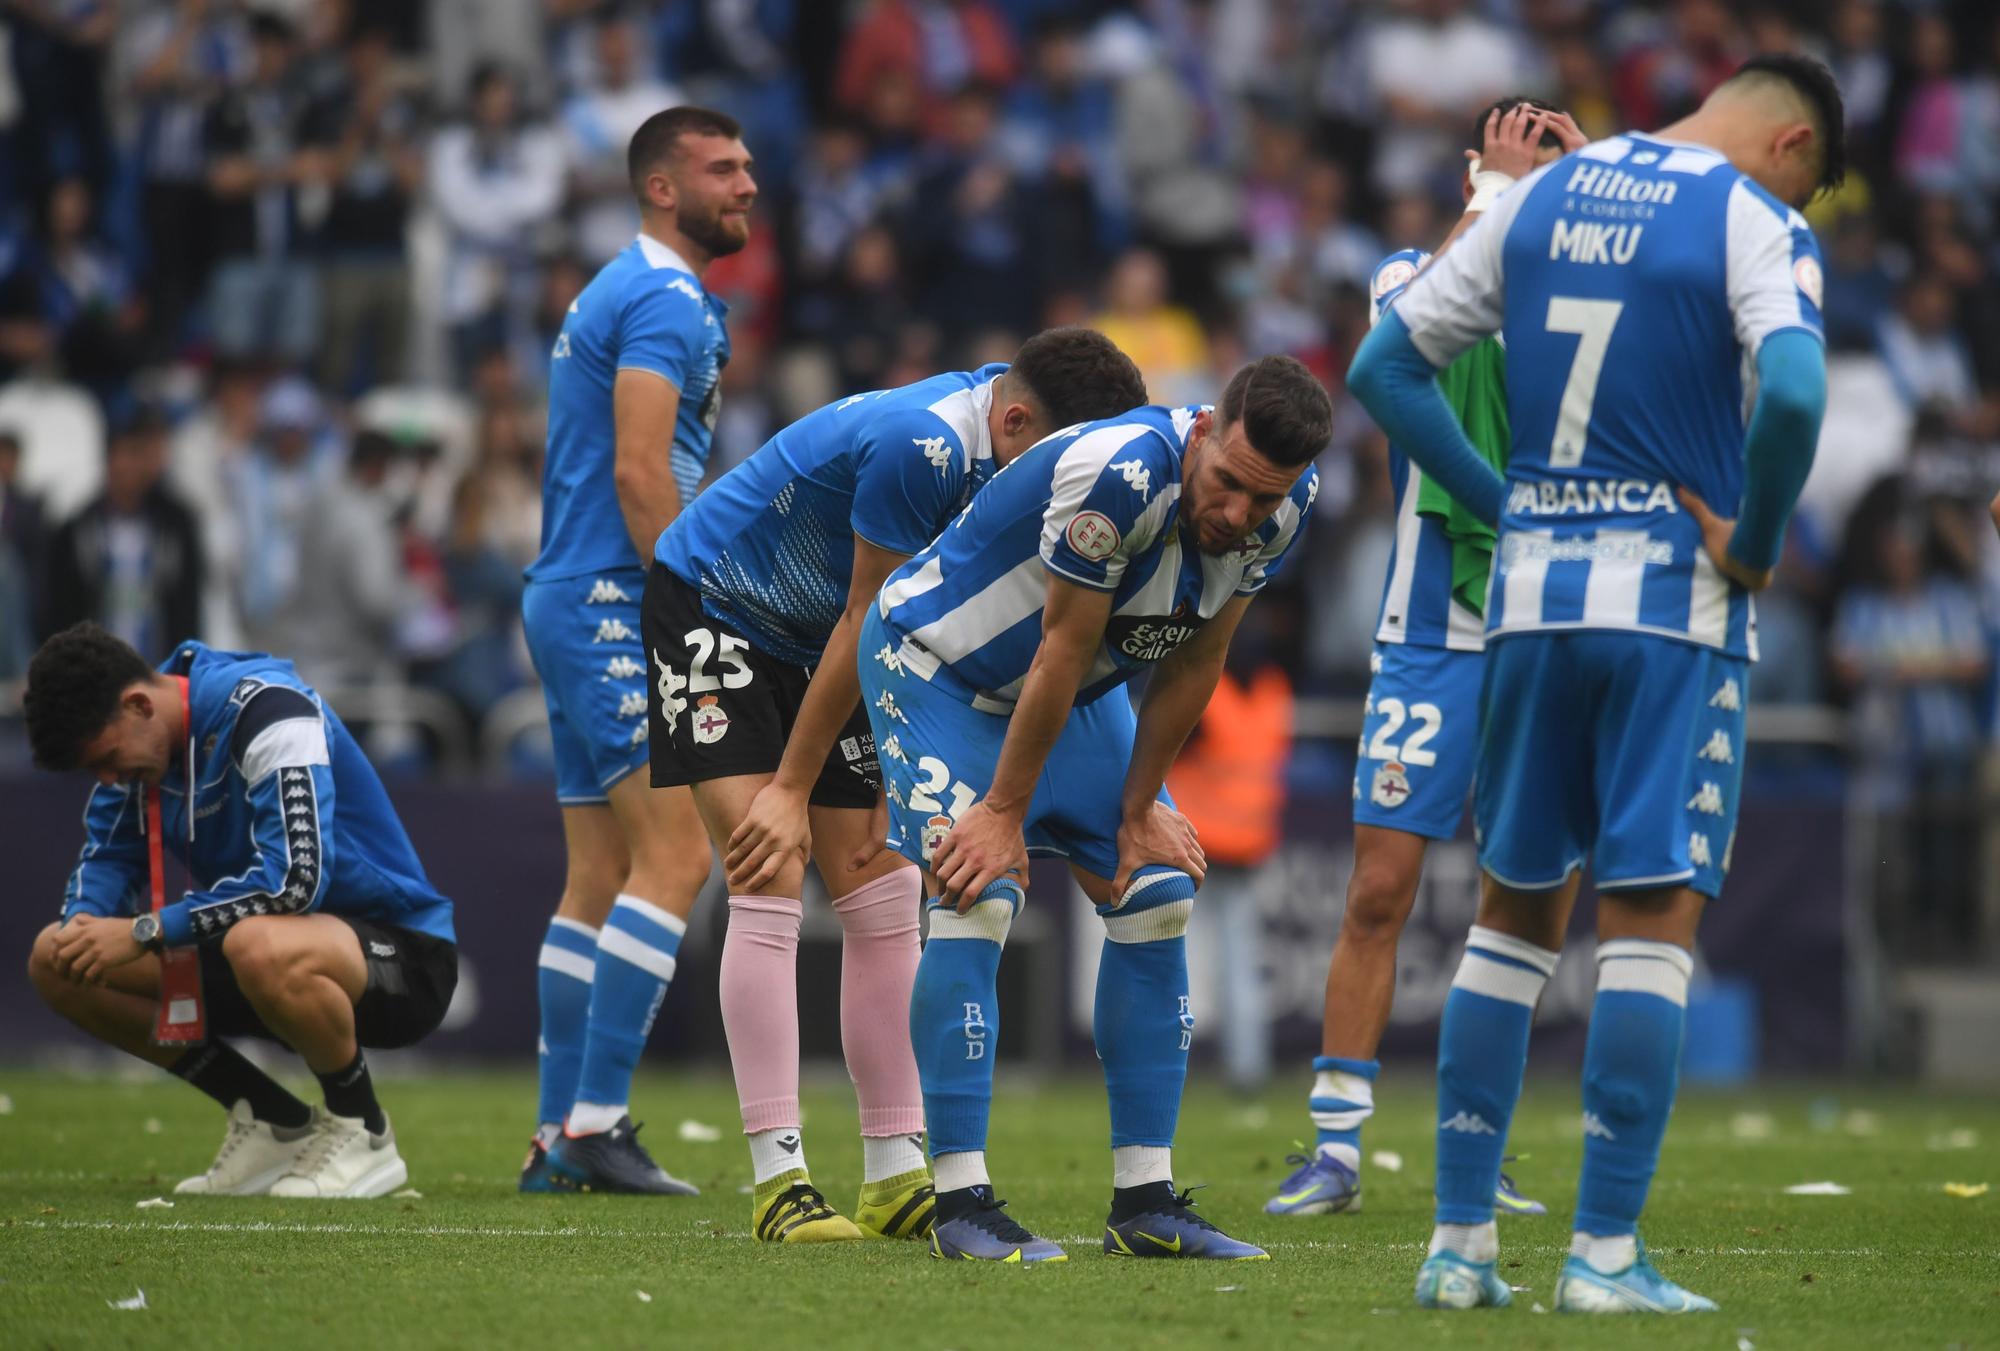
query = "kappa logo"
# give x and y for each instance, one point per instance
(890, 658)
(1718, 749)
(632, 704)
(561, 349)
(892, 749)
(887, 703)
(1593, 1125)
(685, 287)
(622, 667)
(1137, 477)
(670, 685)
(1391, 788)
(853, 399)
(895, 794)
(604, 591)
(1698, 851)
(1707, 799)
(613, 631)
(1470, 1123)
(1729, 698)
(640, 734)
(710, 724)
(935, 450)
(1092, 535)
(381, 949)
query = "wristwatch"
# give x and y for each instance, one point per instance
(146, 932)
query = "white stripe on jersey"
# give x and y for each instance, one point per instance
(1075, 475)
(926, 578)
(1611, 593)
(1523, 576)
(1403, 572)
(1004, 602)
(964, 411)
(1708, 603)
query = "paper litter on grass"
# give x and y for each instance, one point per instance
(1965, 1190)
(1752, 1126)
(1227, 1289)
(1962, 1138)
(407, 1194)
(138, 1301)
(155, 1203)
(699, 1132)
(6, 1105)
(644, 1298)
(153, 1126)
(1819, 1189)
(1388, 1160)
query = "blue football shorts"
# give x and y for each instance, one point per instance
(583, 634)
(938, 752)
(1419, 739)
(1625, 748)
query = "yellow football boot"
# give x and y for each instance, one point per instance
(897, 1207)
(788, 1209)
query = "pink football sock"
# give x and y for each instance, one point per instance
(760, 1008)
(878, 965)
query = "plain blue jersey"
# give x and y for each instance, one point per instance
(770, 544)
(285, 815)
(1634, 282)
(1417, 605)
(643, 311)
(1097, 505)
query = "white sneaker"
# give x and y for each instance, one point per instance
(253, 1155)
(344, 1160)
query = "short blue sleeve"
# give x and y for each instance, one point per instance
(909, 478)
(660, 326)
(1107, 502)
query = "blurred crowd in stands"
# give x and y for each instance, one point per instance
(278, 280)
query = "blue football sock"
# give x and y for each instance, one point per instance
(1143, 1024)
(955, 1016)
(635, 964)
(1631, 1068)
(1343, 1098)
(1482, 1051)
(562, 980)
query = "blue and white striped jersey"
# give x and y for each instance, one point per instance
(1634, 282)
(1417, 604)
(770, 544)
(1096, 504)
(644, 310)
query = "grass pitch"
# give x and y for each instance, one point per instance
(1898, 1262)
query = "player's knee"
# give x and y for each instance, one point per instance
(1155, 907)
(42, 972)
(263, 963)
(1378, 902)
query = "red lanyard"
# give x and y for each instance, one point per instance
(181, 1020)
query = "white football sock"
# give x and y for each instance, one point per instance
(1607, 1254)
(1136, 1165)
(886, 1156)
(1473, 1242)
(776, 1151)
(1349, 1155)
(594, 1118)
(952, 1172)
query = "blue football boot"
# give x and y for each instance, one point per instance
(1639, 1288)
(535, 1169)
(1172, 1229)
(1448, 1281)
(611, 1161)
(1507, 1198)
(989, 1234)
(1321, 1186)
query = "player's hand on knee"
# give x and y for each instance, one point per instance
(774, 828)
(1161, 836)
(983, 847)
(1716, 532)
(88, 947)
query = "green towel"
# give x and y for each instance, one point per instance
(1475, 386)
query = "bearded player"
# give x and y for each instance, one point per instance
(633, 394)
(1413, 769)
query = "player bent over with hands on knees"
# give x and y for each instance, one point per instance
(1427, 664)
(1636, 283)
(752, 618)
(992, 668)
(314, 923)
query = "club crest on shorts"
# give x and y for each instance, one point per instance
(1392, 785)
(710, 722)
(933, 835)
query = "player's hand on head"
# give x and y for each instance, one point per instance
(1511, 141)
(774, 828)
(983, 847)
(1160, 836)
(1568, 134)
(1716, 532)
